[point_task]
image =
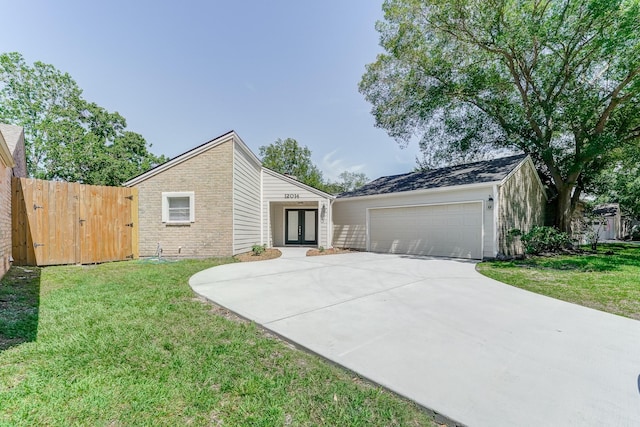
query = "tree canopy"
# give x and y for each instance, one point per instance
(559, 80)
(347, 181)
(67, 137)
(289, 158)
(620, 183)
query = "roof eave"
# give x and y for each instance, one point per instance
(425, 190)
(5, 153)
(247, 150)
(231, 135)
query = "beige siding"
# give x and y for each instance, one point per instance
(349, 215)
(349, 222)
(246, 201)
(277, 219)
(521, 205)
(275, 189)
(210, 176)
(274, 195)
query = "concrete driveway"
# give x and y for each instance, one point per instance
(477, 351)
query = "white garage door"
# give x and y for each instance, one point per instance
(453, 230)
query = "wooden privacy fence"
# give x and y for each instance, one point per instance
(71, 223)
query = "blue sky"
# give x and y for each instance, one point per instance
(182, 73)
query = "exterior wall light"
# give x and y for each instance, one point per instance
(490, 202)
(323, 212)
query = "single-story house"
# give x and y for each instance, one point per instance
(218, 200)
(610, 223)
(463, 211)
(12, 164)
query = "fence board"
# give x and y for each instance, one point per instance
(71, 223)
(135, 242)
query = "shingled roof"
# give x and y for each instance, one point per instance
(471, 173)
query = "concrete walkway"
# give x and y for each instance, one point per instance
(475, 350)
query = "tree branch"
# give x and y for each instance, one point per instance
(525, 97)
(614, 101)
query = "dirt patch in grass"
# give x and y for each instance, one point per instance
(270, 253)
(330, 251)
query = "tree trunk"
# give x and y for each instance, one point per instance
(564, 210)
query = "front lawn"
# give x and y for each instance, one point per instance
(129, 344)
(607, 282)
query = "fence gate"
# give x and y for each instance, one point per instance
(70, 223)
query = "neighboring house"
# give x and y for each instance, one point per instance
(218, 200)
(463, 211)
(12, 163)
(610, 223)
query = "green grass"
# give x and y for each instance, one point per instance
(19, 301)
(607, 282)
(129, 344)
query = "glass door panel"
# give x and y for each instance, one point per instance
(310, 226)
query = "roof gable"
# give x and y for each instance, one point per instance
(226, 137)
(487, 171)
(10, 137)
(297, 183)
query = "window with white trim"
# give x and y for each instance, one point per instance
(178, 207)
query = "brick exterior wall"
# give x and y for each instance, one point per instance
(14, 138)
(5, 217)
(210, 176)
(20, 169)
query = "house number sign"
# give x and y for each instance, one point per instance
(291, 196)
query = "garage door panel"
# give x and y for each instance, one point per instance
(453, 230)
(472, 220)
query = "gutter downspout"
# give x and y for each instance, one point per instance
(261, 207)
(330, 224)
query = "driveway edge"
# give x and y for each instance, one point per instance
(436, 416)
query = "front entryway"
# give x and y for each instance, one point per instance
(301, 227)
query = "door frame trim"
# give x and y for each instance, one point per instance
(286, 225)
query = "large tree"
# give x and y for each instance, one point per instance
(620, 183)
(559, 80)
(67, 137)
(288, 157)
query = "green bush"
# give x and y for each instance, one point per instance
(257, 249)
(545, 239)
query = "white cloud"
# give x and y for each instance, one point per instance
(333, 166)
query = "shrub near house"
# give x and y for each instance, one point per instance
(545, 239)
